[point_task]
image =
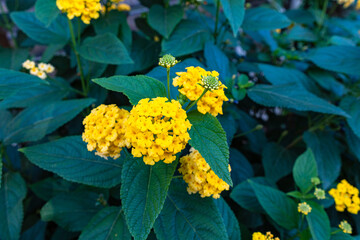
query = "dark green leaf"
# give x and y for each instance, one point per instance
(46, 11)
(327, 155)
(305, 168)
(241, 169)
(327, 81)
(299, 33)
(264, 18)
(209, 138)
(218, 61)
(35, 122)
(344, 59)
(188, 37)
(15, 5)
(134, 87)
(105, 48)
(352, 106)
(71, 211)
(164, 20)
(291, 96)
(108, 224)
(352, 140)
(50, 187)
(36, 232)
(69, 158)
(143, 193)
(277, 205)
(277, 161)
(230, 221)
(341, 236)
(234, 11)
(319, 223)
(110, 23)
(56, 33)
(13, 58)
(12, 193)
(5, 118)
(187, 216)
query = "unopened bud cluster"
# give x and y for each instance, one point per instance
(168, 61)
(210, 82)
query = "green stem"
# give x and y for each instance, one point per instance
(323, 13)
(336, 231)
(168, 82)
(194, 102)
(83, 83)
(216, 20)
(258, 127)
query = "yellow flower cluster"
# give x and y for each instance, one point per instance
(304, 208)
(199, 176)
(86, 9)
(115, 5)
(346, 196)
(189, 84)
(267, 236)
(345, 227)
(41, 70)
(105, 130)
(346, 3)
(157, 129)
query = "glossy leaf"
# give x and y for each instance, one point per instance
(305, 168)
(46, 11)
(264, 18)
(234, 11)
(229, 218)
(319, 223)
(164, 20)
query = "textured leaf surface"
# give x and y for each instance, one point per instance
(35, 122)
(108, 224)
(277, 205)
(352, 106)
(105, 48)
(70, 159)
(327, 155)
(71, 211)
(230, 221)
(319, 223)
(291, 96)
(217, 60)
(134, 87)
(234, 11)
(305, 168)
(6, 117)
(46, 11)
(188, 37)
(164, 20)
(143, 193)
(209, 138)
(187, 216)
(56, 33)
(264, 18)
(12, 193)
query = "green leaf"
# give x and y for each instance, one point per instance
(188, 37)
(277, 161)
(36, 232)
(234, 11)
(229, 218)
(277, 205)
(19, 4)
(319, 223)
(352, 140)
(46, 11)
(209, 138)
(50, 187)
(344, 59)
(12, 81)
(105, 48)
(134, 87)
(300, 33)
(109, 23)
(352, 106)
(264, 18)
(71, 211)
(13, 58)
(341, 236)
(305, 168)
(241, 169)
(291, 96)
(327, 81)
(12, 193)
(187, 216)
(143, 193)
(108, 224)
(164, 20)
(218, 61)
(5, 118)
(35, 122)
(56, 33)
(327, 155)
(69, 158)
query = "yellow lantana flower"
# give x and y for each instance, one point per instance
(304, 208)
(267, 236)
(345, 227)
(104, 130)
(85, 9)
(346, 196)
(190, 85)
(199, 176)
(157, 129)
(345, 3)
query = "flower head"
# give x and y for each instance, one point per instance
(346, 196)
(40, 70)
(168, 61)
(28, 64)
(157, 129)
(304, 208)
(210, 82)
(260, 236)
(104, 130)
(345, 227)
(199, 176)
(85, 9)
(346, 3)
(319, 193)
(190, 84)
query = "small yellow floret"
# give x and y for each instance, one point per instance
(190, 85)
(85, 9)
(41, 75)
(157, 129)
(345, 227)
(267, 236)
(346, 3)
(199, 176)
(304, 208)
(28, 64)
(346, 196)
(104, 130)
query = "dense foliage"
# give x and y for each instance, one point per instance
(189, 119)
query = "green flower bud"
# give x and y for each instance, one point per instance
(345, 227)
(168, 61)
(315, 181)
(319, 193)
(210, 82)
